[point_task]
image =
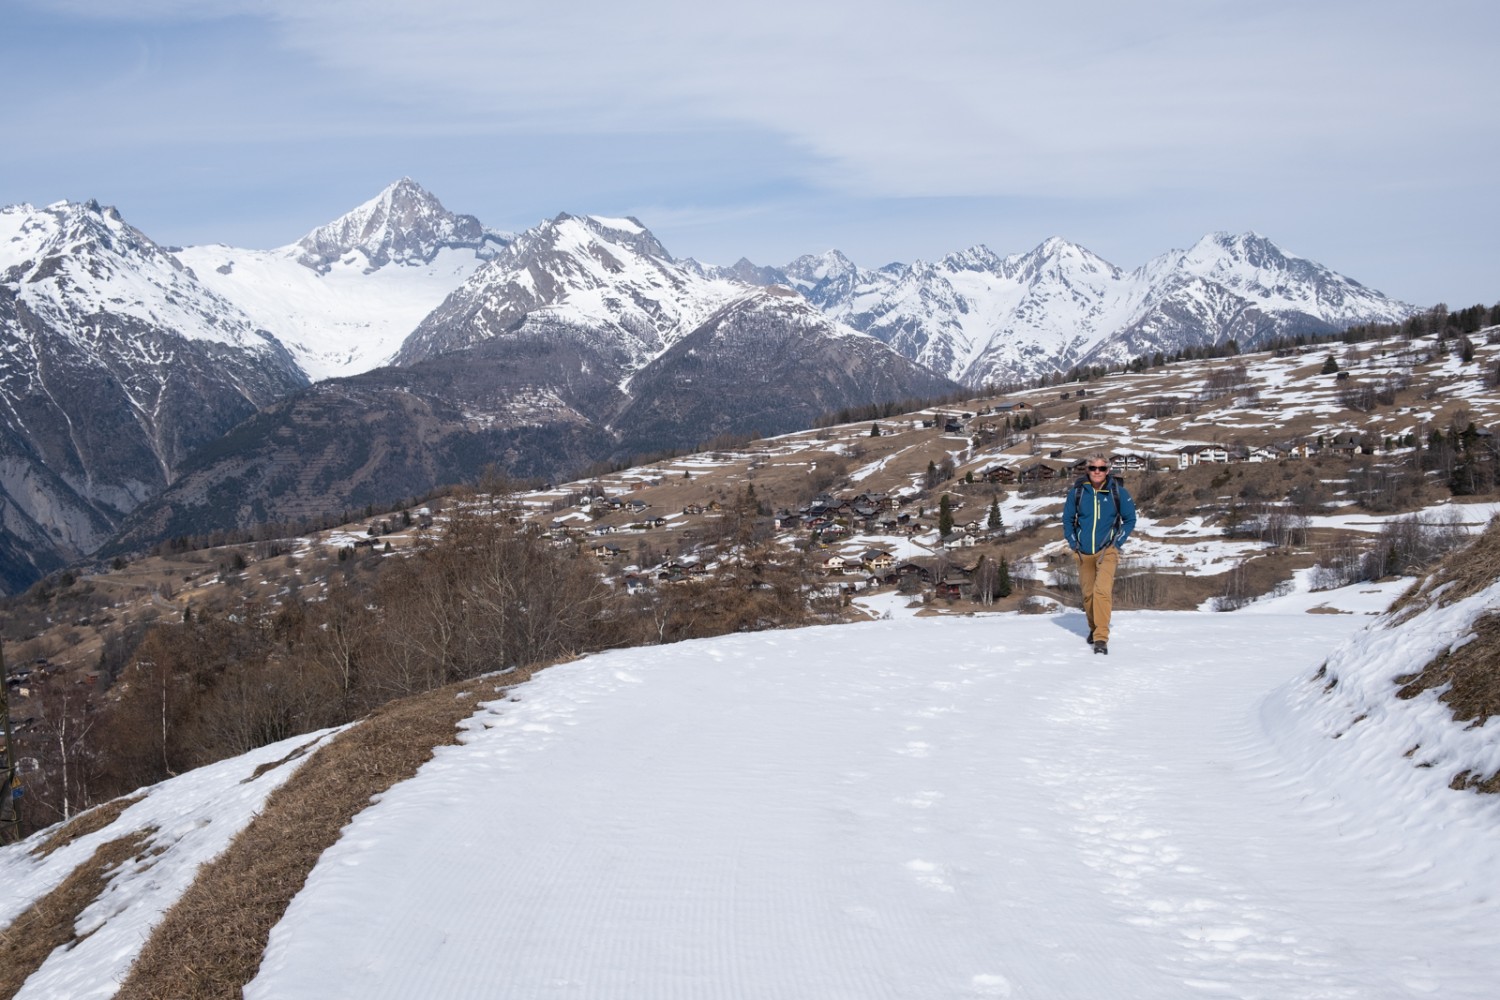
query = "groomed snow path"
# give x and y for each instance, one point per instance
(939, 808)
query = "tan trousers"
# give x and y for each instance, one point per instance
(1096, 576)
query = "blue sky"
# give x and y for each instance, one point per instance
(1360, 134)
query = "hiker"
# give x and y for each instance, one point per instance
(1098, 517)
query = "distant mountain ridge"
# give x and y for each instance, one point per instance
(981, 319)
(121, 360)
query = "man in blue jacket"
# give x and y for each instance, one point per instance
(1098, 517)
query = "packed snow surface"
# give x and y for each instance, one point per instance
(908, 808)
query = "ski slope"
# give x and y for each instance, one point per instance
(917, 808)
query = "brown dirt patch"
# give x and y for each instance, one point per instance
(49, 922)
(211, 943)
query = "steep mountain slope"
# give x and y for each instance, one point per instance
(607, 282)
(345, 296)
(984, 319)
(539, 401)
(768, 362)
(115, 363)
(529, 410)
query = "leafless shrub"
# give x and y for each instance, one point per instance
(1237, 591)
(1404, 546)
(1162, 407)
(1409, 545)
(1360, 398)
(1338, 565)
(1142, 590)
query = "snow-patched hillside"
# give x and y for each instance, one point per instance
(908, 808)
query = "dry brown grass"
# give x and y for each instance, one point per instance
(210, 944)
(48, 924)
(84, 824)
(272, 765)
(1471, 674)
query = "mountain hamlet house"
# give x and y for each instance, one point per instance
(413, 518)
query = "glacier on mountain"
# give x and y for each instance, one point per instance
(345, 296)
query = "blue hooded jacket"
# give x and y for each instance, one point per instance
(1096, 519)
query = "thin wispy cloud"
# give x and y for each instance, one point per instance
(1314, 123)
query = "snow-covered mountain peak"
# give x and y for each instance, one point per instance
(1250, 265)
(976, 258)
(1222, 253)
(65, 227)
(404, 224)
(566, 232)
(73, 260)
(810, 269)
(609, 276)
(1057, 258)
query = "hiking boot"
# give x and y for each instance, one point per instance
(1090, 639)
(1101, 647)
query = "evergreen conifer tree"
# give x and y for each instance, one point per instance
(996, 521)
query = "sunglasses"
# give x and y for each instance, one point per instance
(1098, 468)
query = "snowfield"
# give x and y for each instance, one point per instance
(917, 808)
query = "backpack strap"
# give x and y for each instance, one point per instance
(1078, 485)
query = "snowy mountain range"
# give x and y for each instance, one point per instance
(122, 358)
(982, 319)
(580, 341)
